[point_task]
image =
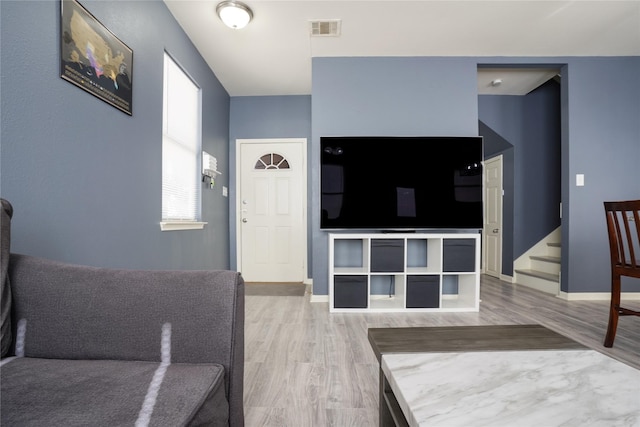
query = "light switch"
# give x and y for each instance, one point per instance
(225, 191)
(580, 180)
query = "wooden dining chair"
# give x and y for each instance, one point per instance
(623, 225)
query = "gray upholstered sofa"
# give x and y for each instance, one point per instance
(85, 346)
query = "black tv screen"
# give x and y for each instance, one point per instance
(399, 183)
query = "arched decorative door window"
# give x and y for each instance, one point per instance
(272, 161)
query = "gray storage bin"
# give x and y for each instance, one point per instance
(387, 255)
(423, 291)
(350, 292)
(459, 255)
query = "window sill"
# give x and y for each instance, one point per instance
(181, 225)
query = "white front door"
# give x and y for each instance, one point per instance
(493, 217)
(272, 210)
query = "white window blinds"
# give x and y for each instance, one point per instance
(181, 142)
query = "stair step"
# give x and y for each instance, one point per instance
(547, 258)
(554, 249)
(540, 275)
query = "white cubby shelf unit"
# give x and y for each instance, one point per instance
(394, 272)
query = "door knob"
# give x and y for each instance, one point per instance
(495, 230)
(244, 219)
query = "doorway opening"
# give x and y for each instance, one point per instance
(271, 210)
(520, 117)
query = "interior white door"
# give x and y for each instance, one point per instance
(272, 228)
(493, 216)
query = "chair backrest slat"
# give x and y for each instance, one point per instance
(635, 259)
(623, 225)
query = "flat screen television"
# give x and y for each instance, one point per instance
(400, 183)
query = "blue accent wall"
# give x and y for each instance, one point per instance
(258, 117)
(385, 96)
(85, 178)
(599, 131)
(540, 163)
(603, 143)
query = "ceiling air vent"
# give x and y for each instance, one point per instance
(325, 28)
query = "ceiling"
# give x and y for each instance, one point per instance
(272, 55)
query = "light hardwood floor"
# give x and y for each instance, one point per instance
(307, 367)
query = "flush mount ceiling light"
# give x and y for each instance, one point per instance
(234, 14)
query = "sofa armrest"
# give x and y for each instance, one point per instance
(80, 312)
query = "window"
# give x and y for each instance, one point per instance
(181, 147)
(272, 161)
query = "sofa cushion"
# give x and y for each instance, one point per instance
(75, 312)
(67, 307)
(47, 392)
(6, 211)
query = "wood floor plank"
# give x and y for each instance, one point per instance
(306, 367)
(351, 418)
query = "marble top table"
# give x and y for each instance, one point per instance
(575, 387)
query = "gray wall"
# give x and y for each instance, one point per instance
(600, 134)
(385, 96)
(85, 178)
(258, 117)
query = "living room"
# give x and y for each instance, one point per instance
(53, 165)
(84, 178)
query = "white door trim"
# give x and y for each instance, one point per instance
(499, 159)
(303, 144)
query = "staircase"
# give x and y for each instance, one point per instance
(539, 268)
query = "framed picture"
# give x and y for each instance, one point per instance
(93, 58)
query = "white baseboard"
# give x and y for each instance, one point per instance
(585, 296)
(506, 278)
(315, 298)
(550, 288)
(597, 296)
(319, 298)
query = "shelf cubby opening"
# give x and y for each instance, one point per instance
(386, 291)
(459, 291)
(350, 255)
(424, 255)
